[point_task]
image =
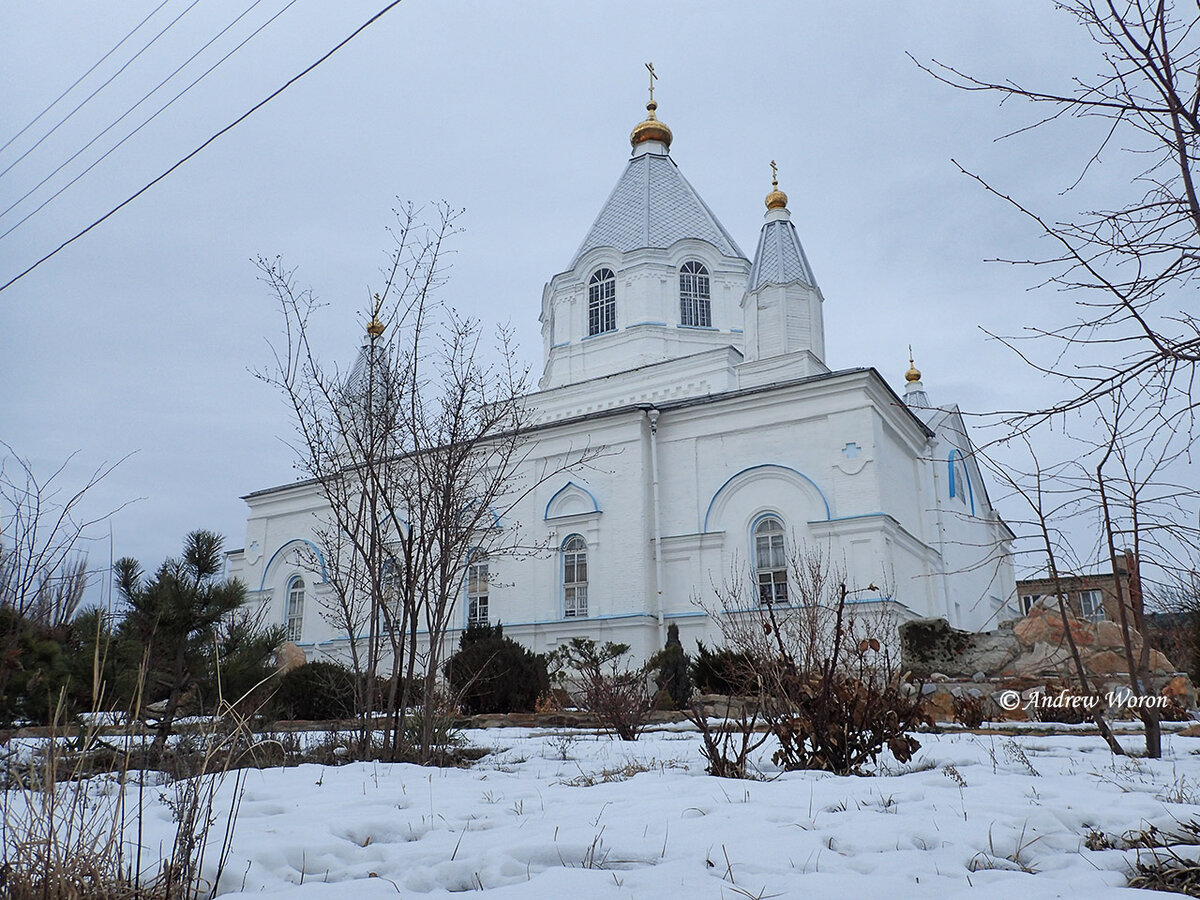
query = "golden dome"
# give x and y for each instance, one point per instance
(375, 327)
(913, 373)
(777, 199)
(651, 129)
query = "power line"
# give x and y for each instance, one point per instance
(110, 80)
(200, 78)
(361, 28)
(95, 66)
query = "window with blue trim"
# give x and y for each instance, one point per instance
(602, 302)
(770, 561)
(695, 305)
(391, 582)
(575, 578)
(295, 609)
(477, 590)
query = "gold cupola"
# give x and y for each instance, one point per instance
(650, 129)
(777, 199)
(913, 373)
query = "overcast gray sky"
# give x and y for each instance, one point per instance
(141, 337)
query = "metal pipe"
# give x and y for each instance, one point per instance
(652, 416)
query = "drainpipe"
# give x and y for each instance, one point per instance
(652, 416)
(941, 530)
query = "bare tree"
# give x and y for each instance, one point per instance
(1049, 496)
(1132, 265)
(421, 453)
(1129, 354)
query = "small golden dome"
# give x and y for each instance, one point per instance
(651, 129)
(913, 373)
(375, 327)
(777, 199)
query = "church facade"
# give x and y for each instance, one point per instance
(729, 445)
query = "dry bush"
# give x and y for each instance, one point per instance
(609, 689)
(827, 682)
(970, 711)
(728, 745)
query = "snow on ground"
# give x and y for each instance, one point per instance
(567, 815)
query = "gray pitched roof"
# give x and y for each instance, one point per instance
(779, 258)
(654, 206)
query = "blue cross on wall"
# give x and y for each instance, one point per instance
(851, 450)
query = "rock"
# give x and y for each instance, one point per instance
(1106, 662)
(1181, 690)
(1045, 626)
(1159, 662)
(931, 646)
(940, 706)
(288, 656)
(1041, 659)
(1108, 635)
(978, 677)
(1033, 629)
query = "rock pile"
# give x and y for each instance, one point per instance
(1030, 655)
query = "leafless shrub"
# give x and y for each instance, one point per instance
(729, 744)
(969, 711)
(825, 673)
(610, 689)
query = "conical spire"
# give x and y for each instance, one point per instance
(779, 258)
(914, 391)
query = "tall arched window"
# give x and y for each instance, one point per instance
(695, 307)
(770, 561)
(575, 578)
(295, 609)
(602, 302)
(392, 583)
(477, 589)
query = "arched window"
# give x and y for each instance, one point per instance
(695, 307)
(477, 589)
(391, 582)
(770, 561)
(575, 578)
(295, 609)
(602, 302)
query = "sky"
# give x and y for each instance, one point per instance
(140, 341)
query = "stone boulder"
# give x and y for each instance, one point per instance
(929, 646)
(1106, 662)
(1041, 659)
(288, 656)
(1044, 625)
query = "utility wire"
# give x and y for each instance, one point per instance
(110, 80)
(201, 77)
(361, 28)
(95, 66)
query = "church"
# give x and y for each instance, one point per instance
(729, 444)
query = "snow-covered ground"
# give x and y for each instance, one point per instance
(563, 815)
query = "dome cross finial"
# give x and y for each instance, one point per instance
(651, 129)
(777, 199)
(913, 374)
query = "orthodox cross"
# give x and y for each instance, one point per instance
(650, 66)
(774, 175)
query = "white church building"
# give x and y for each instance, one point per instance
(728, 443)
